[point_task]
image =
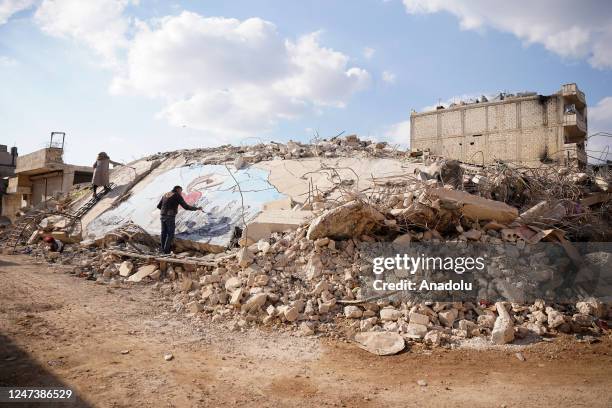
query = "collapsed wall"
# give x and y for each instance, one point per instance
(234, 186)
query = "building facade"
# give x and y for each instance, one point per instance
(39, 176)
(524, 128)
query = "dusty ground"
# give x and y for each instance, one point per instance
(56, 329)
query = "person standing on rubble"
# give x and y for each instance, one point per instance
(169, 208)
(101, 172)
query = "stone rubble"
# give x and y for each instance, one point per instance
(309, 280)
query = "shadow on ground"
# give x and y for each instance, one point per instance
(19, 369)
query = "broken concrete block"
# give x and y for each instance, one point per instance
(209, 279)
(418, 318)
(126, 268)
(486, 320)
(380, 343)
(503, 330)
(255, 302)
(352, 219)
(448, 317)
(592, 307)
(236, 298)
(290, 313)
(352, 312)
(416, 331)
(555, 318)
(270, 221)
(390, 314)
(245, 257)
(433, 338)
(142, 273)
(475, 207)
(314, 267)
(307, 329)
(232, 284)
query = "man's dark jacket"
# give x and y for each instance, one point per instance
(169, 204)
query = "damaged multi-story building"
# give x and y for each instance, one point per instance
(524, 128)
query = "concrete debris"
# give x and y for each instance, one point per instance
(126, 268)
(474, 207)
(302, 261)
(142, 273)
(352, 219)
(503, 330)
(380, 343)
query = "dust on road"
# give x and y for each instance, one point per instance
(109, 345)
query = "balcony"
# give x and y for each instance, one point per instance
(572, 94)
(575, 127)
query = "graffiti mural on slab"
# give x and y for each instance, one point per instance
(208, 186)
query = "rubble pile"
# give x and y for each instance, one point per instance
(348, 146)
(313, 279)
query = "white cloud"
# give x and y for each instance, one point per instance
(398, 133)
(600, 115)
(600, 120)
(368, 52)
(234, 78)
(569, 28)
(99, 24)
(389, 77)
(7, 61)
(10, 7)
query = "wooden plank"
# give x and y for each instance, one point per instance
(167, 259)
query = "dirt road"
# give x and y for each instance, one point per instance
(109, 345)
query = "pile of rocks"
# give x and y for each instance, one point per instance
(314, 279)
(316, 286)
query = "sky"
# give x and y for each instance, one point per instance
(135, 77)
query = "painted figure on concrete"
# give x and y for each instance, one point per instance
(169, 208)
(101, 172)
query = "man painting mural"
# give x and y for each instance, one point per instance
(169, 208)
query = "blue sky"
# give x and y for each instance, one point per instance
(137, 77)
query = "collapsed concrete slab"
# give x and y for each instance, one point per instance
(296, 178)
(474, 207)
(282, 204)
(211, 187)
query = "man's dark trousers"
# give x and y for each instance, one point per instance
(167, 232)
